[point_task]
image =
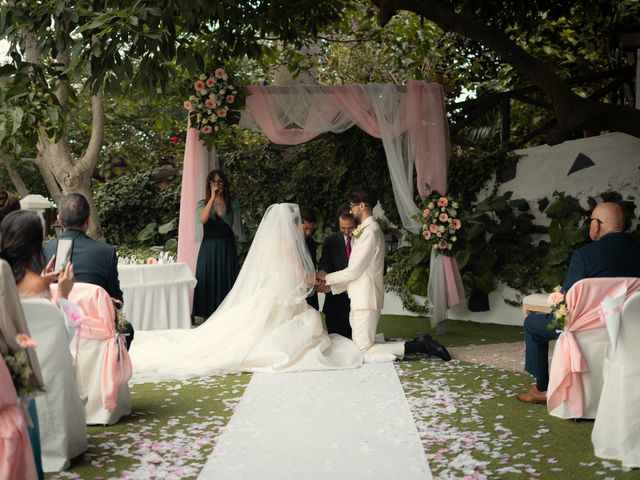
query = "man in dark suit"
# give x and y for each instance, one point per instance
(335, 257)
(93, 261)
(613, 253)
(308, 218)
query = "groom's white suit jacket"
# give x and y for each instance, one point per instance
(363, 277)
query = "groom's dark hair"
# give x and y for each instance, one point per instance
(366, 195)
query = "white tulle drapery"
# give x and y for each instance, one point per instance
(410, 121)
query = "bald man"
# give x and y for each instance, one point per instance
(613, 253)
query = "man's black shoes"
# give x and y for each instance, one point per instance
(432, 347)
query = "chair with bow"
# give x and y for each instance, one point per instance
(102, 361)
(63, 429)
(616, 432)
(576, 370)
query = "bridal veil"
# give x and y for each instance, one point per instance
(264, 324)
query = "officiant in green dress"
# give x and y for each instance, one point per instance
(219, 226)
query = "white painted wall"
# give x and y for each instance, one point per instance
(541, 171)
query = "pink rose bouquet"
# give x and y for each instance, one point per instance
(559, 309)
(440, 223)
(215, 101)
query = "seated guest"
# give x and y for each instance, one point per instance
(335, 256)
(613, 253)
(94, 262)
(21, 246)
(308, 218)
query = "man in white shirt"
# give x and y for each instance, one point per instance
(363, 281)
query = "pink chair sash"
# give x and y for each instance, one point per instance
(583, 301)
(16, 456)
(99, 324)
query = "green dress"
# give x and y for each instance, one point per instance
(217, 265)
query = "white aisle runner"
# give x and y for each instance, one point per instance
(341, 424)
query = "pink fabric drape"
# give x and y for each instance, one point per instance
(455, 288)
(421, 116)
(583, 301)
(16, 456)
(99, 324)
(187, 246)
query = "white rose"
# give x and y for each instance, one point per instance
(454, 204)
(454, 239)
(441, 228)
(430, 206)
(438, 235)
(449, 246)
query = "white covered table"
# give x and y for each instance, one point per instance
(156, 296)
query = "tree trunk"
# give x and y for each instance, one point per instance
(64, 174)
(14, 175)
(573, 113)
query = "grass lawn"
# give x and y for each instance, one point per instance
(470, 424)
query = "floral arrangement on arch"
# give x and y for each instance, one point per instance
(559, 308)
(216, 101)
(440, 223)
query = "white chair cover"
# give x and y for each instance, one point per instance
(616, 432)
(63, 430)
(593, 345)
(89, 355)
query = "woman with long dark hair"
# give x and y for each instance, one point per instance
(21, 237)
(217, 266)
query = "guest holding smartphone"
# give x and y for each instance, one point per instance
(21, 237)
(219, 226)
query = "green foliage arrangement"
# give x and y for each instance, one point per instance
(127, 204)
(319, 175)
(501, 242)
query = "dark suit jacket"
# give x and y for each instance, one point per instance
(336, 307)
(93, 261)
(312, 248)
(616, 254)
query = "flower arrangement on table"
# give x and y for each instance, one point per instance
(216, 102)
(440, 223)
(559, 308)
(18, 365)
(164, 257)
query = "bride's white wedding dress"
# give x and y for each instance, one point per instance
(264, 324)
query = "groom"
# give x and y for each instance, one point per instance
(363, 281)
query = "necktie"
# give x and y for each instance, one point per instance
(348, 246)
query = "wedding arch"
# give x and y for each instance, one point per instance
(410, 120)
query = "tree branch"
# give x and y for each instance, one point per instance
(573, 112)
(90, 157)
(48, 177)
(14, 175)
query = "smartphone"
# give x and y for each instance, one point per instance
(63, 253)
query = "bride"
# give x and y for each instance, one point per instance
(264, 323)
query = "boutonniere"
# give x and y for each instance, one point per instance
(358, 231)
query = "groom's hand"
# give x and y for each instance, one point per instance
(321, 275)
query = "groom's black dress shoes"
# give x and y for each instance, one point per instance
(432, 347)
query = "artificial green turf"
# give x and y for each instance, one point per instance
(480, 404)
(459, 332)
(455, 398)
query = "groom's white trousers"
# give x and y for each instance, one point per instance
(364, 324)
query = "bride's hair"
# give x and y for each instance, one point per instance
(278, 260)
